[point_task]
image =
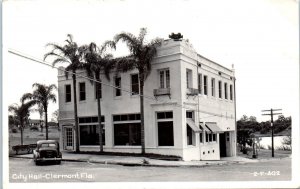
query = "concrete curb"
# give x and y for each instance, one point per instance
(224, 162)
(131, 164)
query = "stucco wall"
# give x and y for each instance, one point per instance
(177, 56)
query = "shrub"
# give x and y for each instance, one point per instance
(284, 148)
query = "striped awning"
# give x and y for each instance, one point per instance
(204, 128)
(192, 125)
(213, 127)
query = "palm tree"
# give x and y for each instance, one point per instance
(21, 112)
(96, 62)
(71, 54)
(42, 95)
(141, 55)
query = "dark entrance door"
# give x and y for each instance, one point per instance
(222, 143)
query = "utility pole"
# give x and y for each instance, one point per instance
(272, 126)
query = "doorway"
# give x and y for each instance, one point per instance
(222, 143)
(68, 139)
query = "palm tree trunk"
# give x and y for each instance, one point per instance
(46, 122)
(99, 112)
(21, 125)
(75, 113)
(142, 113)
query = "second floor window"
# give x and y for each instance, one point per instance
(189, 79)
(190, 114)
(200, 83)
(68, 93)
(213, 87)
(118, 91)
(231, 92)
(82, 91)
(225, 90)
(99, 91)
(205, 84)
(220, 89)
(164, 79)
(135, 84)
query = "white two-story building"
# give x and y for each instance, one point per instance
(189, 108)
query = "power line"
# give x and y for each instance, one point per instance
(17, 53)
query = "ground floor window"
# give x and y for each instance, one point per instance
(165, 133)
(201, 137)
(128, 134)
(210, 137)
(89, 135)
(190, 135)
(214, 137)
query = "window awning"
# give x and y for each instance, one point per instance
(192, 125)
(213, 127)
(204, 128)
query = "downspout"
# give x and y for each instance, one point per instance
(235, 143)
(198, 108)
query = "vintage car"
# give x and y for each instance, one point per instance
(47, 150)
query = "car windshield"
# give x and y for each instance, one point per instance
(48, 145)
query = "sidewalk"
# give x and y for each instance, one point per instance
(142, 161)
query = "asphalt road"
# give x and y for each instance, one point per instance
(24, 170)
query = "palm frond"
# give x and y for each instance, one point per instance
(70, 39)
(13, 108)
(106, 44)
(142, 34)
(128, 38)
(52, 97)
(52, 87)
(26, 96)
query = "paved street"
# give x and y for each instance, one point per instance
(24, 170)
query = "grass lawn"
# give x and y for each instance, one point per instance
(31, 137)
(267, 154)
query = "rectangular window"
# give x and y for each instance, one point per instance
(225, 90)
(165, 128)
(200, 83)
(68, 93)
(214, 138)
(118, 84)
(89, 135)
(82, 91)
(167, 78)
(220, 89)
(90, 119)
(212, 86)
(165, 133)
(231, 92)
(190, 114)
(99, 90)
(164, 79)
(164, 115)
(201, 137)
(189, 133)
(188, 78)
(210, 137)
(206, 136)
(135, 89)
(205, 84)
(127, 117)
(127, 134)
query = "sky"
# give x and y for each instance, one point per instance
(260, 37)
